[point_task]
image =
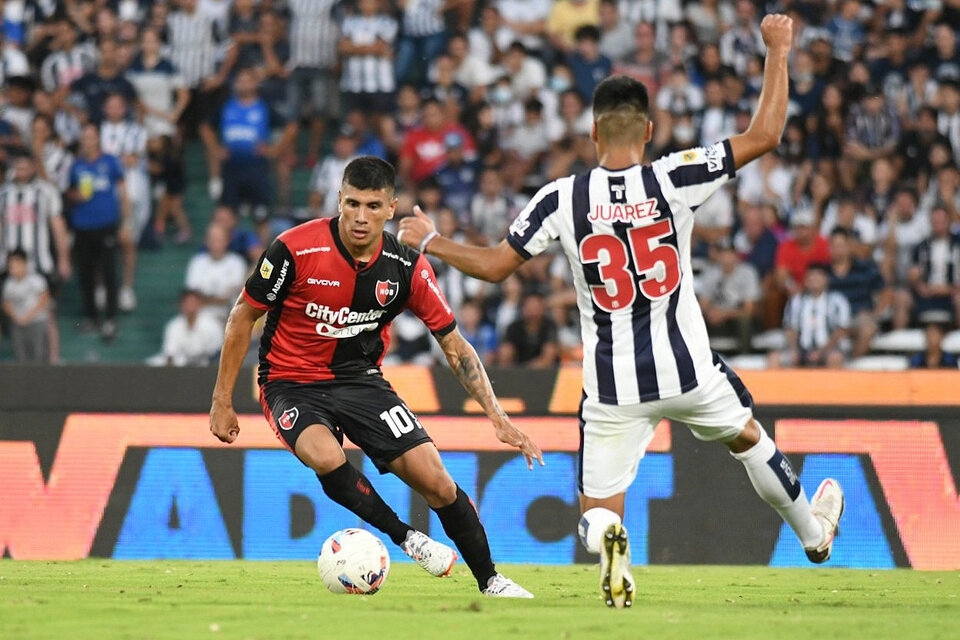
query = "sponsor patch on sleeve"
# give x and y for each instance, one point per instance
(266, 268)
(689, 156)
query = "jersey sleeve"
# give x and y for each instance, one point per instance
(537, 225)
(270, 281)
(695, 174)
(427, 301)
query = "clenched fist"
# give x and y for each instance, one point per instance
(777, 31)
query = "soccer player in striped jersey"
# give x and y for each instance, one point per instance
(626, 229)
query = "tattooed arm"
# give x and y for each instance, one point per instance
(469, 370)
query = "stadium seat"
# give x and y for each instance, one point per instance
(899, 341)
(951, 342)
(769, 340)
(749, 361)
(879, 363)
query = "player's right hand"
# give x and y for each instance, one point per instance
(223, 422)
(777, 32)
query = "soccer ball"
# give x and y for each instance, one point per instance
(353, 561)
(592, 525)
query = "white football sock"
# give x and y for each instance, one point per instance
(774, 480)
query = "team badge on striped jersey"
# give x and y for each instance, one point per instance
(386, 291)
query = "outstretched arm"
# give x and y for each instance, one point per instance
(765, 129)
(236, 340)
(492, 264)
(469, 370)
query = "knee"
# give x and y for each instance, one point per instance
(746, 439)
(440, 492)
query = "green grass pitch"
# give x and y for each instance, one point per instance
(285, 600)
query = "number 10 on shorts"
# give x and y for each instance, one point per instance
(400, 420)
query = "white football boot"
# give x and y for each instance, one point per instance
(503, 587)
(827, 507)
(434, 557)
(616, 582)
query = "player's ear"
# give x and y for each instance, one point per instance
(593, 132)
(339, 201)
(649, 131)
(392, 209)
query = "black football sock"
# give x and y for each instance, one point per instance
(346, 486)
(462, 525)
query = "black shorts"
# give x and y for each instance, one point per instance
(247, 183)
(367, 411)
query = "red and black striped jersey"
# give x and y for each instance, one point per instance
(328, 315)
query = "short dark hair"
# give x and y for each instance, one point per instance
(587, 32)
(618, 92)
(17, 253)
(840, 231)
(370, 173)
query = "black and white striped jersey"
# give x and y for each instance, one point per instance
(369, 73)
(815, 318)
(124, 138)
(57, 161)
(626, 234)
(423, 18)
(26, 209)
(62, 67)
(195, 43)
(313, 33)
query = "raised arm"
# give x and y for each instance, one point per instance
(765, 129)
(236, 340)
(492, 264)
(466, 365)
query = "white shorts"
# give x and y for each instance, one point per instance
(614, 438)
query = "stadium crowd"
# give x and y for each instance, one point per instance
(849, 229)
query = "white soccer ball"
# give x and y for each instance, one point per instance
(592, 524)
(353, 561)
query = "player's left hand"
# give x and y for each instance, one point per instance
(509, 434)
(413, 229)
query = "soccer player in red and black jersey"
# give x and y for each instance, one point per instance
(330, 289)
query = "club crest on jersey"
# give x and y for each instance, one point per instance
(386, 291)
(288, 418)
(266, 268)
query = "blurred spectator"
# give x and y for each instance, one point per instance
(445, 88)
(366, 57)
(191, 338)
(742, 41)
(368, 143)
(816, 324)
(51, 156)
(911, 157)
(531, 340)
(616, 36)
(470, 70)
(845, 213)
(804, 247)
(806, 89)
(68, 60)
(588, 64)
(127, 140)
(903, 229)
(567, 18)
(729, 290)
(18, 111)
(243, 242)
(424, 37)
(327, 176)
(861, 284)
(160, 88)
(526, 145)
(933, 356)
(526, 73)
(948, 121)
(944, 59)
(423, 149)
(491, 209)
(204, 55)
(107, 79)
(647, 64)
(710, 18)
(12, 62)
(312, 88)
(457, 176)
(481, 335)
(873, 129)
(935, 273)
(26, 299)
(524, 20)
(846, 31)
(99, 218)
(216, 274)
(245, 145)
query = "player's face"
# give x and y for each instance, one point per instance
(363, 214)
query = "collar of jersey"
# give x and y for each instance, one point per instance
(335, 232)
(619, 170)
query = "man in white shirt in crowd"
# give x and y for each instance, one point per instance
(192, 337)
(216, 274)
(728, 291)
